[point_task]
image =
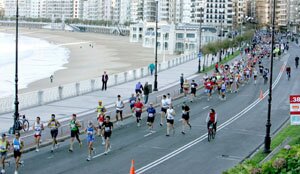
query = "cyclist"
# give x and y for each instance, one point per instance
(4, 146)
(288, 71)
(297, 61)
(53, 124)
(90, 131)
(212, 119)
(74, 125)
(38, 127)
(18, 145)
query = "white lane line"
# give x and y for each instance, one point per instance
(205, 107)
(74, 43)
(204, 136)
(150, 133)
(96, 156)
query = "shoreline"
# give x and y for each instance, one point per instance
(109, 53)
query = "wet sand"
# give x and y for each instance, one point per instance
(109, 53)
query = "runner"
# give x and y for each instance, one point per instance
(108, 127)
(223, 90)
(132, 101)
(170, 120)
(164, 107)
(265, 75)
(151, 116)
(139, 88)
(4, 147)
(288, 72)
(119, 109)
(38, 127)
(101, 119)
(212, 119)
(185, 117)
(255, 73)
(100, 109)
(169, 99)
(74, 125)
(186, 87)
(18, 146)
(194, 86)
(296, 61)
(138, 108)
(90, 131)
(53, 124)
(208, 88)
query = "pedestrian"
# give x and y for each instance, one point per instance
(186, 87)
(107, 127)
(185, 117)
(51, 78)
(4, 148)
(170, 120)
(297, 61)
(74, 125)
(139, 88)
(53, 124)
(18, 146)
(194, 86)
(181, 83)
(151, 116)
(164, 107)
(146, 93)
(138, 108)
(151, 68)
(90, 131)
(38, 127)
(119, 109)
(104, 81)
(217, 67)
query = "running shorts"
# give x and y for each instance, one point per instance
(74, 133)
(138, 114)
(170, 121)
(90, 139)
(164, 110)
(17, 153)
(119, 111)
(223, 90)
(54, 133)
(193, 90)
(185, 116)
(3, 155)
(107, 135)
(37, 135)
(150, 119)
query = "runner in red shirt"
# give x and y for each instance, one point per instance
(208, 88)
(138, 108)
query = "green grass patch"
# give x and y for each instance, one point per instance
(225, 60)
(252, 164)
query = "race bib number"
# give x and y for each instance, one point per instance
(16, 147)
(2, 147)
(151, 114)
(72, 125)
(107, 129)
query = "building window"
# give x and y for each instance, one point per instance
(190, 35)
(134, 36)
(179, 46)
(179, 35)
(134, 28)
(166, 46)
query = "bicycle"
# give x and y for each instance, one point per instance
(211, 132)
(23, 123)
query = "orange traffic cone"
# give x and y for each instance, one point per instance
(261, 95)
(132, 170)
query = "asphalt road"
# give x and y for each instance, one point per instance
(190, 153)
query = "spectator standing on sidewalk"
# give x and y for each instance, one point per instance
(217, 67)
(146, 93)
(151, 68)
(181, 83)
(51, 78)
(104, 81)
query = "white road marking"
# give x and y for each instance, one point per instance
(204, 136)
(205, 107)
(74, 43)
(96, 156)
(150, 133)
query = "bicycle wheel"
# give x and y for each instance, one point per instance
(25, 125)
(209, 135)
(213, 133)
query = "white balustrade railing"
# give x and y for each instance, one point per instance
(48, 95)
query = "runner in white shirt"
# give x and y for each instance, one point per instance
(164, 107)
(255, 73)
(119, 109)
(38, 127)
(170, 120)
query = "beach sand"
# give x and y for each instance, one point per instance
(109, 53)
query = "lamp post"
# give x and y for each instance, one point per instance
(268, 124)
(221, 35)
(156, 27)
(200, 42)
(16, 114)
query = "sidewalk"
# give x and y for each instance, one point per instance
(86, 104)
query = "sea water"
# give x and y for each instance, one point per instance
(38, 59)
